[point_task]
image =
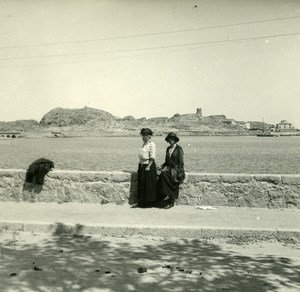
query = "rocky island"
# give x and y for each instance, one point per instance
(92, 122)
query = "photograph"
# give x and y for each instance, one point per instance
(150, 145)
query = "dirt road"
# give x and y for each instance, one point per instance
(43, 262)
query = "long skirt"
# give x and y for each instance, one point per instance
(147, 184)
(167, 187)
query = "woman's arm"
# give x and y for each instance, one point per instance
(165, 163)
(180, 166)
(152, 154)
(181, 173)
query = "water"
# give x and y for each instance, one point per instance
(202, 154)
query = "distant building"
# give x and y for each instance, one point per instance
(272, 128)
(199, 112)
(284, 126)
(230, 122)
(244, 125)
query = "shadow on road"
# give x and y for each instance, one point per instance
(74, 262)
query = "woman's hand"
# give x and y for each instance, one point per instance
(149, 165)
(165, 168)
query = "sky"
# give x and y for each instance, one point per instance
(150, 58)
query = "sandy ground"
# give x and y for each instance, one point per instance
(44, 262)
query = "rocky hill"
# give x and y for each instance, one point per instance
(94, 122)
(186, 124)
(60, 117)
(19, 125)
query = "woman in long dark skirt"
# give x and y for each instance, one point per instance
(172, 173)
(147, 175)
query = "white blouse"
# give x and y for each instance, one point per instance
(172, 149)
(148, 151)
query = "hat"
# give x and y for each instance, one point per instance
(146, 131)
(173, 136)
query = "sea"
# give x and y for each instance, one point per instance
(205, 154)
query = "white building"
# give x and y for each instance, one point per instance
(284, 126)
(244, 125)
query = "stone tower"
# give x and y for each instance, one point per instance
(199, 112)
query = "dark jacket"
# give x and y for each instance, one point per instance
(176, 163)
(37, 170)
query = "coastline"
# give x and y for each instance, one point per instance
(88, 134)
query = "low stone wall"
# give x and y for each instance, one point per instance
(238, 190)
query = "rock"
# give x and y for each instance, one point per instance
(159, 120)
(13, 274)
(273, 179)
(37, 269)
(167, 267)
(104, 201)
(291, 180)
(97, 271)
(142, 270)
(66, 117)
(128, 118)
(205, 208)
(107, 272)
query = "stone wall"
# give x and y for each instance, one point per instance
(239, 190)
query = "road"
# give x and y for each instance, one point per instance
(45, 262)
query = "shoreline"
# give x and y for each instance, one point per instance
(92, 134)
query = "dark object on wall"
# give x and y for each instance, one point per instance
(37, 170)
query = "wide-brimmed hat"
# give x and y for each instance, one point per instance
(173, 136)
(146, 131)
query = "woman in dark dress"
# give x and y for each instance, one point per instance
(172, 173)
(147, 175)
